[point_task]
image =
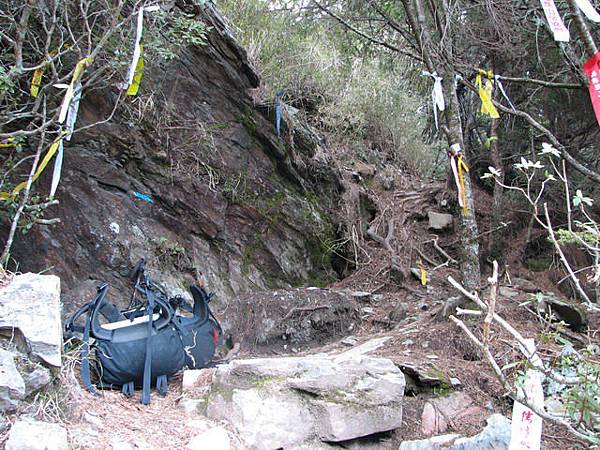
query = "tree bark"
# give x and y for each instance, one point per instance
(495, 245)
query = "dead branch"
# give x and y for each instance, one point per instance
(449, 259)
(385, 242)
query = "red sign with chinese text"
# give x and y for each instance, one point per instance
(592, 70)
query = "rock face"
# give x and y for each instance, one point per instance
(29, 434)
(230, 198)
(31, 305)
(300, 402)
(495, 436)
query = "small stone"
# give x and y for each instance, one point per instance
(399, 313)
(213, 439)
(439, 221)
(455, 382)
(432, 357)
(524, 285)
(408, 342)
(361, 295)
(12, 386)
(508, 292)
(30, 434)
(92, 419)
(37, 379)
(377, 297)
(349, 341)
(367, 310)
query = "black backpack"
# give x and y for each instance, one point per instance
(148, 342)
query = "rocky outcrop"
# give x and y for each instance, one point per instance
(228, 196)
(309, 401)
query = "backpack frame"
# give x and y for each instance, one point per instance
(147, 342)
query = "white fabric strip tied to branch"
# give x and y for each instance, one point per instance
(588, 10)
(560, 32)
(526, 426)
(499, 83)
(73, 110)
(57, 168)
(137, 51)
(437, 95)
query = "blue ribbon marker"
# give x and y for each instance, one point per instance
(278, 111)
(144, 197)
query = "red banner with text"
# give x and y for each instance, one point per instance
(592, 70)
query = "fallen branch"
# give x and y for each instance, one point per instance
(385, 242)
(292, 311)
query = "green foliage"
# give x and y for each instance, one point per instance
(170, 33)
(6, 82)
(582, 401)
(362, 98)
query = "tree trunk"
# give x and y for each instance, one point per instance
(495, 245)
(468, 229)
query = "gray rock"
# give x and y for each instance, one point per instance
(12, 386)
(495, 436)
(295, 401)
(572, 314)
(36, 379)
(399, 313)
(214, 439)
(439, 413)
(439, 221)
(508, 292)
(30, 434)
(524, 285)
(31, 304)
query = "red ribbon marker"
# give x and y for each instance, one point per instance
(592, 70)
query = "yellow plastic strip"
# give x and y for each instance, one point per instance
(137, 78)
(485, 94)
(423, 274)
(462, 166)
(51, 151)
(36, 81)
(79, 68)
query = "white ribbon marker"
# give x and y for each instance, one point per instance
(526, 427)
(437, 95)
(72, 112)
(588, 10)
(561, 34)
(138, 38)
(499, 83)
(57, 169)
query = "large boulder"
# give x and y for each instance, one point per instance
(30, 306)
(30, 434)
(310, 400)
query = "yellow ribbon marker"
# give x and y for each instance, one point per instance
(79, 68)
(137, 77)
(462, 166)
(485, 94)
(36, 81)
(10, 142)
(38, 172)
(423, 274)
